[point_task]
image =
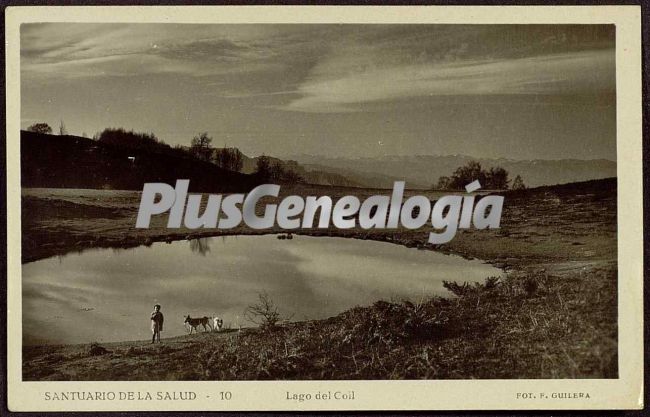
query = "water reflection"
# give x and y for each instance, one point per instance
(106, 295)
(200, 246)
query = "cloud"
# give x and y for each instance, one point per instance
(135, 64)
(215, 50)
(330, 68)
(57, 51)
(571, 73)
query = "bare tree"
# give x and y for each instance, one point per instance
(62, 129)
(229, 158)
(201, 146)
(276, 172)
(264, 313)
(518, 183)
(200, 246)
(263, 168)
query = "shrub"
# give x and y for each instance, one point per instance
(495, 178)
(455, 288)
(40, 128)
(530, 285)
(491, 282)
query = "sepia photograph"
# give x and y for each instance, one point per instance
(317, 202)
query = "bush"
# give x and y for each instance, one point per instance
(455, 288)
(495, 178)
(530, 285)
(40, 128)
(491, 282)
(466, 288)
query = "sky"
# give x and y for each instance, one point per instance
(489, 91)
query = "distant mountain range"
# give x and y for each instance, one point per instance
(423, 171)
(76, 162)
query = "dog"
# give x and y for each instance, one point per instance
(196, 322)
(217, 324)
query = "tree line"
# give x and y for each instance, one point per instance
(269, 170)
(200, 148)
(233, 160)
(495, 178)
(227, 158)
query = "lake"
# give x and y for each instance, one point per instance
(107, 295)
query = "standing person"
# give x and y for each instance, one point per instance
(156, 323)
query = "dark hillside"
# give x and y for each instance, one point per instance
(50, 161)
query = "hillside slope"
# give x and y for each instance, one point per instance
(49, 161)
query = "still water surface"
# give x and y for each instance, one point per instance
(107, 295)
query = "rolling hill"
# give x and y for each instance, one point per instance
(50, 161)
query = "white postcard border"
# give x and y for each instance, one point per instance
(624, 392)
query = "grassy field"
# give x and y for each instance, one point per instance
(554, 316)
